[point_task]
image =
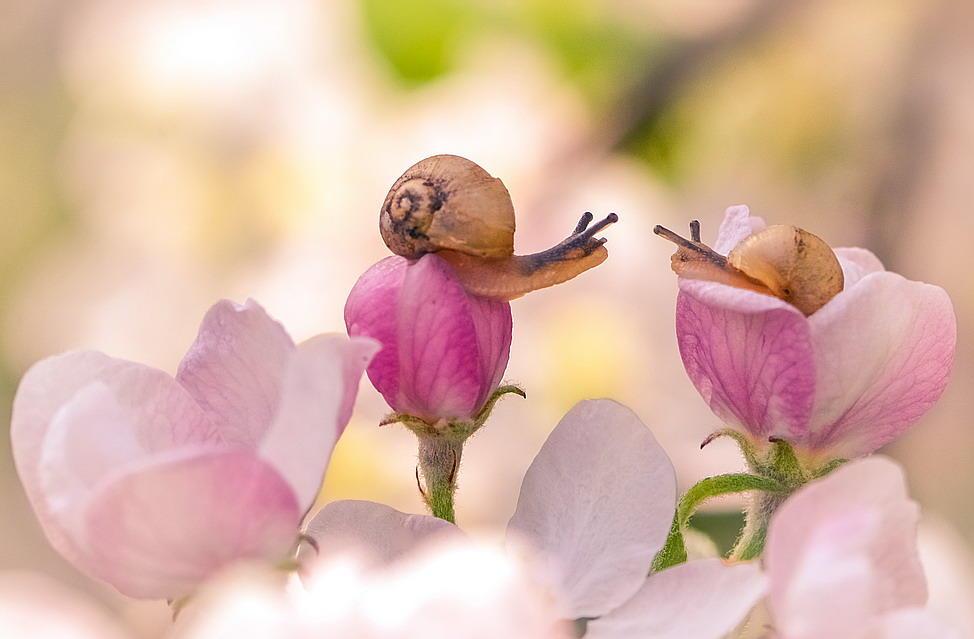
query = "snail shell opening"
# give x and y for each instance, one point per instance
(795, 265)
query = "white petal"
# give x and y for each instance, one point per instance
(703, 599)
(598, 499)
(384, 533)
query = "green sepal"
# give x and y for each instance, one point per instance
(440, 449)
(674, 550)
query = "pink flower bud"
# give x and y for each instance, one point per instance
(839, 383)
(443, 350)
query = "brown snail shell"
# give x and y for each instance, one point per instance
(782, 261)
(449, 205)
(448, 202)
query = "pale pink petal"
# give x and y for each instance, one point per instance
(749, 355)
(598, 500)
(158, 530)
(89, 438)
(911, 623)
(857, 263)
(384, 533)
(235, 367)
(737, 225)
(162, 414)
(356, 354)
(883, 354)
(443, 350)
(34, 606)
(319, 386)
(842, 550)
(703, 599)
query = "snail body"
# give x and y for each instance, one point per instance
(449, 205)
(782, 261)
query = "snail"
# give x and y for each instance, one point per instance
(450, 206)
(782, 261)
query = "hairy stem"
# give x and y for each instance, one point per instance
(439, 459)
(674, 551)
(757, 519)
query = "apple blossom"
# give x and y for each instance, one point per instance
(842, 559)
(595, 507)
(152, 483)
(839, 383)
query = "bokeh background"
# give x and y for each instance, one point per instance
(158, 155)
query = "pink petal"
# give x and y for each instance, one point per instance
(162, 416)
(33, 606)
(703, 599)
(857, 263)
(318, 389)
(842, 551)
(911, 623)
(443, 350)
(371, 311)
(749, 355)
(884, 350)
(383, 532)
(599, 500)
(89, 438)
(159, 530)
(738, 224)
(235, 367)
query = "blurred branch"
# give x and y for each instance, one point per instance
(665, 80)
(641, 107)
(910, 142)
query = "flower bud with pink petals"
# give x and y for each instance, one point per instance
(443, 350)
(842, 381)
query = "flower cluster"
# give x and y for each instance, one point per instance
(195, 488)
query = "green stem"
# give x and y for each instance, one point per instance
(439, 460)
(757, 519)
(674, 551)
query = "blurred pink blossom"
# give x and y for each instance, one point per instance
(842, 559)
(37, 607)
(444, 589)
(443, 350)
(595, 508)
(153, 483)
(839, 383)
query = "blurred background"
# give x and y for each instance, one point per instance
(157, 156)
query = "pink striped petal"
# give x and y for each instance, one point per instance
(158, 530)
(383, 532)
(842, 551)
(443, 350)
(235, 368)
(318, 389)
(703, 599)
(371, 311)
(749, 355)
(883, 354)
(598, 500)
